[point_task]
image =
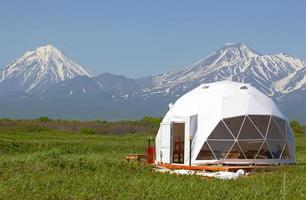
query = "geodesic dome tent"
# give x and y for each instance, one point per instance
(224, 122)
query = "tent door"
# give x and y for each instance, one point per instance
(178, 142)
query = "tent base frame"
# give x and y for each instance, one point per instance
(216, 167)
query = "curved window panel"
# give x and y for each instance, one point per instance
(234, 124)
(264, 152)
(248, 137)
(261, 122)
(276, 148)
(281, 125)
(286, 152)
(205, 153)
(235, 152)
(250, 148)
(220, 148)
(274, 132)
(249, 131)
(220, 132)
(289, 132)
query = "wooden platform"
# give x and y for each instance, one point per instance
(138, 157)
(215, 167)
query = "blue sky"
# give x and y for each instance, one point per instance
(141, 37)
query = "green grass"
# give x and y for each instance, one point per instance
(53, 164)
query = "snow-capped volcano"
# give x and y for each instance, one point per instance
(229, 55)
(46, 82)
(38, 69)
(272, 74)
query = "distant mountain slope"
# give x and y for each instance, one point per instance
(46, 82)
(117, 84)
(36, 70)
(274, 75)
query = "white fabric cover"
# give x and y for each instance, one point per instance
(211, 103)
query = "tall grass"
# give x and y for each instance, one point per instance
(60, 164)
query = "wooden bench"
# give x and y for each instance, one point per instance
(138, 157)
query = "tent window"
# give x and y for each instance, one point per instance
(281, 124)
(220, 148)
(264, 152)
(286, 153)
(250, 148)
(274, 132)
(205, 153)
(276, 148)
(249, 131)
(234, 124)
(236, 152)
(261, 122)
(289, 132)
(257, 137)
(220, 132)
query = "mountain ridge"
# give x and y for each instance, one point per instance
(263, 68)
(67, 84)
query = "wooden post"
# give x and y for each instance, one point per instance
(161, 157)
(190, 141)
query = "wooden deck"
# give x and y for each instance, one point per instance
(215, 167)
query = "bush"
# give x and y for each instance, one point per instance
(151, 120)
(148, 125)
(6, 119)
(44, 119)
(102, 121)
(296, 126)
(88, 131)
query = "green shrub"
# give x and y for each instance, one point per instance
(6, 119)
(151, 120)
(102, 121)
(88, 131)
(44, 119)
(296, 126)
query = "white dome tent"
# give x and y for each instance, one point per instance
(224, 123)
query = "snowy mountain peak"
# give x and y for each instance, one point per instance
(229, 54)
(39, 68)
(43, 51)
(273, 74)
(230, 43)
(239, 50)
(47, 47)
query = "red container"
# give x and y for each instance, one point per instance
(150, 152)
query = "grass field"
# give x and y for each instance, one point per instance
(54, 164)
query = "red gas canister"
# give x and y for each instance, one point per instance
(150, 152)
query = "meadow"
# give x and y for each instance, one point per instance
(40, 161)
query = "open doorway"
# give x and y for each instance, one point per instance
(178, 144)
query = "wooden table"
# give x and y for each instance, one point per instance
(138, 157)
